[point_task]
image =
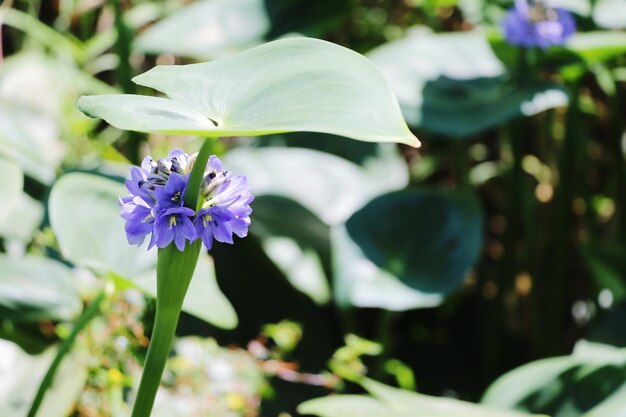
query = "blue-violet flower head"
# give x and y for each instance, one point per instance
(530, 23)
(155, 203)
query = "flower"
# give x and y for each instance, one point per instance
(530, 23)
(155, 203)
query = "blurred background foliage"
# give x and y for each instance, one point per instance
(488, 266)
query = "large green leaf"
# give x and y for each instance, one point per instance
(386, 401)
(590, 382)
(453, 84)
(20, 375)
(33, 289)
(11, 183)
(296, 84)
(420, 240)
(84, 214)
(30, 213)
(208, 29)
(329, 186)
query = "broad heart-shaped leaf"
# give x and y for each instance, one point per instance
(296, 84)
(610, 14)
(386, 401)
(426, 239)
(84, 214)
(34, 289)
(207, 29)
(453, 84)
(11, 183)
(21, 374)
(329, 186)
(588, 383)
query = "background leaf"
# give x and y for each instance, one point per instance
(453, 84)
(35, 288)
(207, 29)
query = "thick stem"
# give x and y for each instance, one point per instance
(174, 272)
(89, 313)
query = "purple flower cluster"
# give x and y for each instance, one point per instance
(155, 205)
(530, 23)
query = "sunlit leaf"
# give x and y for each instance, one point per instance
(207, 29)
(296, 241)
(37, 105)
(34, 288)
(84, 214)
(598, 46)
(393, 402)
(453, 84)
(21, 374)
(331, 187)
(30, 213)
(610, 14)
(575, 385)
(296, 84)
(11, 182)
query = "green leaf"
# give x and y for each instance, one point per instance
(417, 242)
(207, 29)
(296, 84)
(32, 122)
(84, 215)
(453, 84)
(610, 14)
(30, 213)
(204, 298)
(393, 402)
(360, 282)
(296, 241)
(330, 187)
(11, 183)
(21, 373)
(598, 46)
(34, 289)
(574, 385)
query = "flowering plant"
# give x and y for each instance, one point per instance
(155, 203)
(530, 23)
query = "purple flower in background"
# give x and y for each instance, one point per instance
(530, 23)
(155, 203)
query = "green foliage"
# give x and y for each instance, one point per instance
(393, 402)
(454, 85)
(589, 383)
(282, 86)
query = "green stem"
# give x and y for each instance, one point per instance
(174, 272)
(461, 160)
(89, 313)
